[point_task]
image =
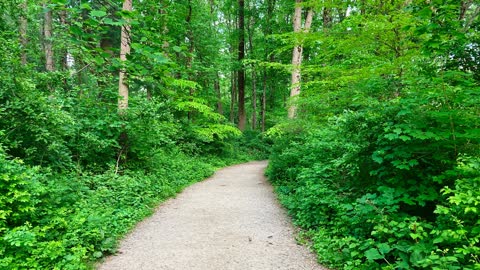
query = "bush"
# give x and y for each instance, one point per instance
(380, 188)
(52, 221)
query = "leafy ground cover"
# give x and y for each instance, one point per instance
(69, 220)
(407, 211)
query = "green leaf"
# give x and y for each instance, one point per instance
(85, 6)
(97, 254)
(377, 158)
(384, 248)
(98, 13)
(109, 21)
(373, 254)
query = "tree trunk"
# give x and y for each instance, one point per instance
(216, 86)
(47, 35)
(272, 91)
(216, 80)
(242, 119)
(327, 18)
(254, 98)
(188, 21)
(124, 50)
(464, 5)
(163, 16)
(296, 58)
(264, 98)
(63, 21)
(269, 57)
(233, 97)
(251, 26)
(297, 54)
(23, 25)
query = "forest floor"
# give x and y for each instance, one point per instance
(230, 221)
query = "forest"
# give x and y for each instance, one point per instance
(367, 110)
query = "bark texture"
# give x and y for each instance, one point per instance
(251, 26)
(242, 118)
(298, 53)
(47, 35)
(124, 51)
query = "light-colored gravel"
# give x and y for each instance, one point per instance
(229, 221)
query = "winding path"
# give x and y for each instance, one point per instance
(229, 221)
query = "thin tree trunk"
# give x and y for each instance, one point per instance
(63, 21)
(327, 18)
(216, 81)
(23, 26)
(165, 30)
(191, 49)
(254, 75)
(216, 86)
(464, 5)
(124, 50)
(472, 18)
(47, 35)
(122, 84)
(233, 96)
(254, 99)
(188, 21)
(269, 56)
(296, 58)
(272, 95)
(149, 94)
(297, 54)
(242, 119)
(264, 98)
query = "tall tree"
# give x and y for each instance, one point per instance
(251, 31)
(298, 52)
(63, 21)
(124, 50)
(233, 95)
(191, 50)
(23, 26)
(242, 118)
(47, 35)
(216, 86)
(268, 57)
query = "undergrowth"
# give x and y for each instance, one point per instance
(384, 187)
(68, 221)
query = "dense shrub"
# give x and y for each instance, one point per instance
(65, 221)
(70, 187)
(384, 186)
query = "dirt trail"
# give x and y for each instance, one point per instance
(229, 221)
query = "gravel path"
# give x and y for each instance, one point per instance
(229, 221)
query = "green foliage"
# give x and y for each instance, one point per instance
(19, 187)
(66, 221)
(207, 126)
(329, 180)
(380, 167)
(75, 175)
